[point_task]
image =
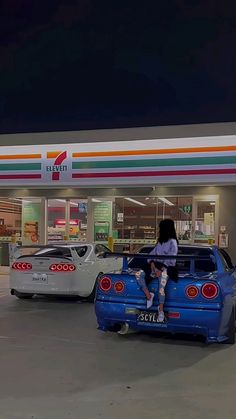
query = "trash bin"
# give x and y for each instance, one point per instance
(4, 254)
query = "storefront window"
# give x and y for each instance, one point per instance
(136, 219)
(204, 231)
(178, 209)
(31, 214)
(56, 220)
(10, 219)
(78, 219)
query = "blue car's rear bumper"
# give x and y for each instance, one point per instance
(206, 322)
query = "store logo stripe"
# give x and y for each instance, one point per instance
(53, 154)
(21, 176)
(20, 166)
(154, 151)
(156, 173)
(155, 162)
(20, 156)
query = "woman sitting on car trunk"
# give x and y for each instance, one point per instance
(167, 245)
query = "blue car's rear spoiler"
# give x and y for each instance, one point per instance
(127, 256)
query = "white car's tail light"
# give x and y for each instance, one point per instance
(22, 266)
(62, 267)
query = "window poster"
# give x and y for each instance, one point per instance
(30, 222)
(102, 216)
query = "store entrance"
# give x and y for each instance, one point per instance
(67, 220)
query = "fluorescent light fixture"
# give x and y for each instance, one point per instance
(96, 200)
(212, 203)
(136, 202)
(20, 199)
(166, 201)
(74, 203)
(61, 200)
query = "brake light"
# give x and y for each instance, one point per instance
(62, 267)
(119, 286)
(174, 315)
(22, 266)
(192, 291)
(209, 290)
(105, 283)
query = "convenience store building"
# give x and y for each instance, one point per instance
(92, 185)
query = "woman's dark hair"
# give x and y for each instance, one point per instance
(167, 231)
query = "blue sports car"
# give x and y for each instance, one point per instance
(201, 302)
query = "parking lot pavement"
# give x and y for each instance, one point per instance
(55, 364)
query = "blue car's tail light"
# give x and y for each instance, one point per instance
(209, 290)
(119, 286)
(192, 291)
(105, 283)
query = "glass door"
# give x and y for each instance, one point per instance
(205, 220)
(57, 225)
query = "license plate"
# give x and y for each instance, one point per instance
(148, 317)
(40, 278)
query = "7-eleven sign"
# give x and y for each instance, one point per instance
(58, 166)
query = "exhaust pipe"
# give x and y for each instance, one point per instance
(124, 329)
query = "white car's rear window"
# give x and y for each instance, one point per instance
(53, 252)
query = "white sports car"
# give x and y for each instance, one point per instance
(69, 269)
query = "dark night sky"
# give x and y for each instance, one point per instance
(86, 64)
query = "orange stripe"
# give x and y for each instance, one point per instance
(20, 156)
(161, 151)
(53, 154)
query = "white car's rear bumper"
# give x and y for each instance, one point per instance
(50, 284)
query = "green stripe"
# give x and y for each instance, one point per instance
(20, 166)
(195, 161)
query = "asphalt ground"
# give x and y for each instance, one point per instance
(55, 364)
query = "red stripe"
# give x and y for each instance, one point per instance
(55, 176)
(22, 176)
(157, 173)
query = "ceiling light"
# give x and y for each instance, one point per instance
(136, 202)
(96, 200)
(73, 203)
(212, 203)
(61, 200)
(166, 201)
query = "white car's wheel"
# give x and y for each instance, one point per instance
(91, 297)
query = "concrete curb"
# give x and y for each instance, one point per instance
(4, 270)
